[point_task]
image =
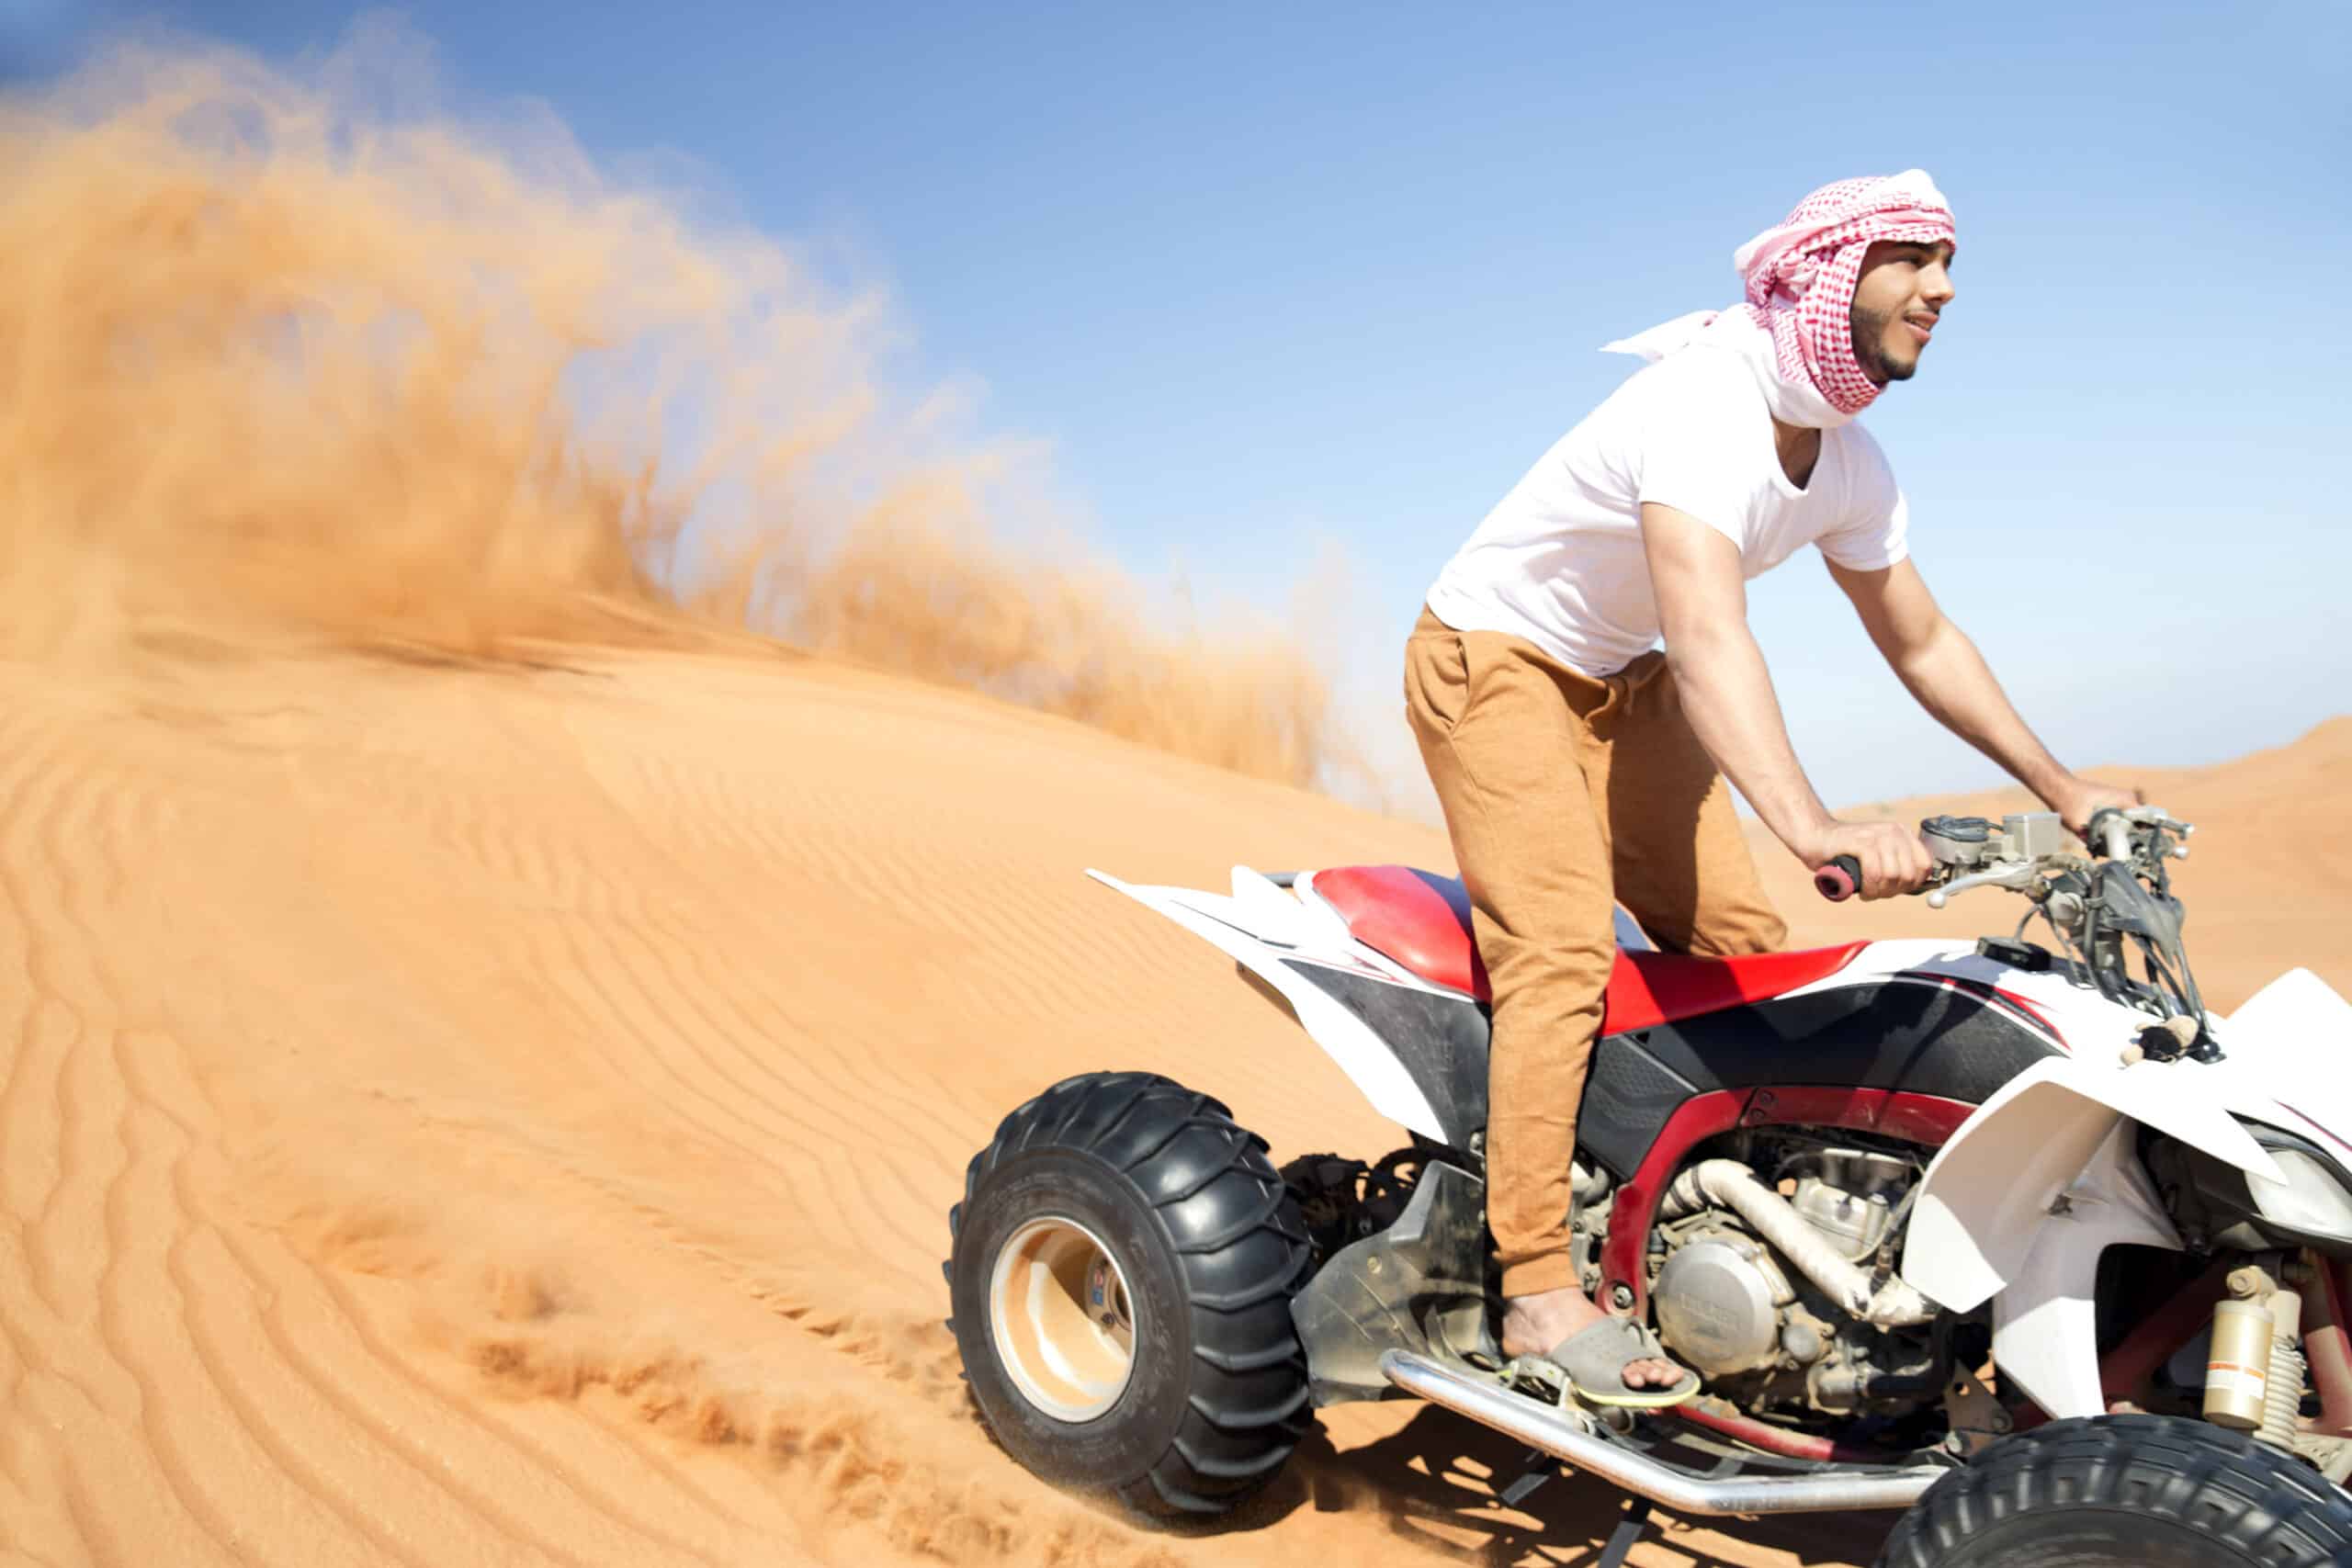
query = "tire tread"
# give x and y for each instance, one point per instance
(2268, 1505)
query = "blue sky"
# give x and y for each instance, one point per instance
(1267, 274)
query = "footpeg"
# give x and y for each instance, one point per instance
(1534, 1377)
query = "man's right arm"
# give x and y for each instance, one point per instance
(1728, 697)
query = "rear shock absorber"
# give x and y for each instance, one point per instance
(2254, 1375)
(2238, 1367)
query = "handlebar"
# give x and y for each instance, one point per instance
(2103, 899)
(1974, 852)
(1839, 880)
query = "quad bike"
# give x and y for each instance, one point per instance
(2017, 1239)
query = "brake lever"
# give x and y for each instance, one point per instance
(2016, 876)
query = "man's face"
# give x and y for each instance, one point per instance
(1904, 286)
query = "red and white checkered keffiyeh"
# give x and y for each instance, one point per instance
(1801, 276)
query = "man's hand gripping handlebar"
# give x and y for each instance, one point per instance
(1876, 860)
(1842, 878)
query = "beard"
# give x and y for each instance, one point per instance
(1870, 329)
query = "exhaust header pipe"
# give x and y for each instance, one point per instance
(1736, 1187)
(1853, 1490)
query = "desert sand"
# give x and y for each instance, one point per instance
(458, 1114)
(489, 1036)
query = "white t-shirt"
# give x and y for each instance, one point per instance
(1559, 560)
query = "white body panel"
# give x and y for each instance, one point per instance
(1260, 926)
(2045, 1324)
(1988, 1192)
(2290, 1051)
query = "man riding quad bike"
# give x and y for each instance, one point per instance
(1744, 1231)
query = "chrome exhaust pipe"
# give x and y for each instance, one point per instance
(1551, 1432)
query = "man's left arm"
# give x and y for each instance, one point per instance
(1940, 665)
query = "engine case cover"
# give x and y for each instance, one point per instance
(1719, 1301)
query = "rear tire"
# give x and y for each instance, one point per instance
(2126, 1492)
(1115, 1190)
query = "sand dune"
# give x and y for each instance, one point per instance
(470, 1116)
(453, 1116)
(486, 1100)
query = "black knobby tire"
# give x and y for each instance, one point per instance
(2126, 1492)
(1212, 1249)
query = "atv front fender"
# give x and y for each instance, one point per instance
(2045, 1321)
(1990, 1190)
(2019, 1204)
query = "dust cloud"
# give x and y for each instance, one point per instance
(307, 357)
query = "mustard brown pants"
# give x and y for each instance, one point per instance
(1565, 794)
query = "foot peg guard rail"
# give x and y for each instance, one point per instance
(1668, 1486)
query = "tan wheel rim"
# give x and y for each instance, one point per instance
(1063, 1321)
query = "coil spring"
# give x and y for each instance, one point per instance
(2282, 1398)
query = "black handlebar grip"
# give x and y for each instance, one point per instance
(1839, 880)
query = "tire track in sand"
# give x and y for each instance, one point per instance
(184, 1362)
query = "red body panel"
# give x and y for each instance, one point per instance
(1650, 988)
(1423, 922)
(1922, 1118)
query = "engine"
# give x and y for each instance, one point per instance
(1758, 1321)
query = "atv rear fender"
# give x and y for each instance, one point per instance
(1260, 926)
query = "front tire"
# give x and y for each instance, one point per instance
(1122, 1267)
(2126, 1492)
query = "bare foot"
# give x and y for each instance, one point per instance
(1534, 1325)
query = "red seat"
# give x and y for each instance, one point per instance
(1422, 920)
